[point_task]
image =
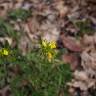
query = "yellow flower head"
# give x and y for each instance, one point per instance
(49, 55)
(4, 52)
(52, 44)
(44, 43)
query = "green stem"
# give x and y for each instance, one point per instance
(6, 72)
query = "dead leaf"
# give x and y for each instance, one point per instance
(81, 75)
(72, 59)
(71, 44)
(88, 39)
(5, 91)
(83, 86)
(23, 45)
(33, 25)
(63, 10)
(71, 91)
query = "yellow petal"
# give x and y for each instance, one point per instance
(5, 52)
(44, 43)
(52, 44)
(49, 56)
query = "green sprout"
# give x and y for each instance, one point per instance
(21, 14)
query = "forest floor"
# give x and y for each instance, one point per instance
(66, 27)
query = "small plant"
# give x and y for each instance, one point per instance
(7, 30)
(21, 14)
(39, 73)
(5, 59)
(84, 27)
(42, 74)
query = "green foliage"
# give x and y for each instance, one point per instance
(45, 78)
(6, 58)
(33, 74)
(7, 30)
(84, 27)
(21, 14)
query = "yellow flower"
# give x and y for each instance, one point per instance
(52, 44)
(49, 56)
(5, 52)
(44, 43)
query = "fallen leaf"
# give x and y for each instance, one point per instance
(80, 85)
(71, 44)
(72, 59)
(63, 10)
(81, 75)
(5, 91)
(88, 39)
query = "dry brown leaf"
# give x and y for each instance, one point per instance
(71, 44)
(72, 59)
(5, 91)
(33, 25)
(71, 91)
(89, 60)
(3, 9)
(63, 10)
(83, 86)
(87, 39)
(23, 45)
(81, 75)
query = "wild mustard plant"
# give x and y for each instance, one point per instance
(3, 66)
(32, 74)
(48, 48)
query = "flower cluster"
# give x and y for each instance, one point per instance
(48, 48)
(4, 52)
(46, 44)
